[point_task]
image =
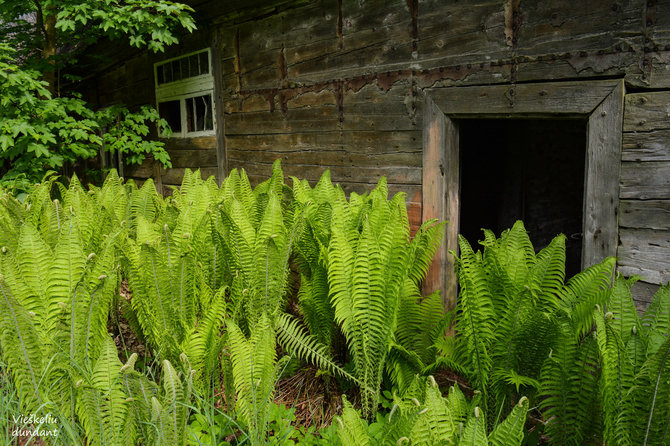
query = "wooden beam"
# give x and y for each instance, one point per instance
(440, 196)
(219, 121)
(550, 99)
(601, 192)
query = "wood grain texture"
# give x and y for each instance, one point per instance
(544, 99)
(646, 146)
(601, 194)
(645, 180)
(219, 107)
(646, 214)
(644, 252)
(647, 111)
(440, 196)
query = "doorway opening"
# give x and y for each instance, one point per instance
(524, 169)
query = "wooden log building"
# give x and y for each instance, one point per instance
(482, 111)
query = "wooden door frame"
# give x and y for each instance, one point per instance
(599, 103)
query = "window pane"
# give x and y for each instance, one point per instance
(199, 114)
(193, 65)
(167, 68)
(204, 62)
(159, 75)
(176, 70)
(171, 113)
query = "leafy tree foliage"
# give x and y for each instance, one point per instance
(41, 126)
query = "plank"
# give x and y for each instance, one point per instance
(555, 98)
(643, 293)
(193, 158)
(615, 60)
(359, 141)
(353, 174)
(647, 111)
(440, 196)
(646, 146)
(470, 31)
(368, 109)
(335, 157)
(645, 252)
(648, 214)
(645, 180)
(596, 24)
(601, 194)
(219, 115)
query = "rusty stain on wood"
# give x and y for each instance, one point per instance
(512, 24)
(340, 36)
(647, 64)
(413, 6)
(511, 13)
(237, 64)
(339, 95)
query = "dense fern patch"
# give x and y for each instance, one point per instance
(211, 270)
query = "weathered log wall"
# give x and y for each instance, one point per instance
(339, 84)
(644, 221)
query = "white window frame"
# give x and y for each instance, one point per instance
(184, 89)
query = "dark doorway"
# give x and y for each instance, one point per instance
(525, 169)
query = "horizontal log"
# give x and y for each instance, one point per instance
(649, 214)
(365, 142)
(643, 293)
(645, 180)
(646, 146)
(549, 24)
(566, 64)
(349, 174)
(200, 142)
(561, 98)
(647, 111)
(193, 159)
(329, 158)
(645, 252)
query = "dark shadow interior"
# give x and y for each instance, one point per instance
(532, 170)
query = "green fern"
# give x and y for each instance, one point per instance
(424, 417)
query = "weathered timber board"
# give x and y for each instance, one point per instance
(601, 198)
(610, 62)
(647, 111)
(644, 252)
(333, 158)
(657, 46)
(576, 98)
(193, 159)
(643, 293)
(368, 109)
(340, 174)
(549, 24)
(646, 146)
(645, 180)
(649, 214)
(363, 142)
(200, 142)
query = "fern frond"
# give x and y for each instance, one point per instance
(20, 348)
(474, 433)
(656, 320)
(511, 431)
(586, 290)
(350, 428)
(305, 346)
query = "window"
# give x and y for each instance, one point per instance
(184, 94)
